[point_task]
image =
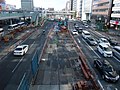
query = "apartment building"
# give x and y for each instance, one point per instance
(115, 15)
(101, 10)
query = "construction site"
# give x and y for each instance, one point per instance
(62, 65)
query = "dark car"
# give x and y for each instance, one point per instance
(79, 29)
(91, 41)
(106, 70)
(116, 51)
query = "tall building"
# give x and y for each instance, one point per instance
(74, 5)
(27, 5)
(101, 10)
(86, 9)
(80, 8)
(71, 5)
(115, 15)
(68, 6)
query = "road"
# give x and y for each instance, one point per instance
(12, 68)
(91, 53)
(56, 71)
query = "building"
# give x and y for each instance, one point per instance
(74, 6)
(80, 7)
(2, 1)
(86, 9)
(7, 7)
(71, 5)
(68, 6)
(115, 15)
(101, 10)
(27, 5)
(51, 9)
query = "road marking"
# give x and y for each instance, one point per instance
(116, 59)
(100, 84)
(17, 65)
(99, 33)
(21, 81)
(32, 44)
(78, 40)
(91, 48)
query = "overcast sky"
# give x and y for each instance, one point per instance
(57, 4)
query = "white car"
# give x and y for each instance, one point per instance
(21, 50)
(85, 34)
(105, 50)
(104, 40)
(75, 32)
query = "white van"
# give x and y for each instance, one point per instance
(85, 34)
(105, 50)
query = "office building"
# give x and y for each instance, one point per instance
(68, 6)
(27, 5)
(74, 5)
(86, 9)
(101, 10)
(115, 15)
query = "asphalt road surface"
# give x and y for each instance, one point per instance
(12, 68)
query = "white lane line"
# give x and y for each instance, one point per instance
(21, 81)
(100, 84)
(116, 59)
(17, 65)
(78, 40)
(32, 44)
(91, 49)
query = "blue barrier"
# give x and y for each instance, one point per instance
(34, 63)
(27, 77)
(24, 85)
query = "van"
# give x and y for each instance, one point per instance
(85, 34)
(105, 50)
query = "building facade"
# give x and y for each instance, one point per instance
(101, 10)
(115, 15)
(27, 5)
(86, 9)
(74, 5)
(68, 6)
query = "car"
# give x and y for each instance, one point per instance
(113, 42)
(116, 51)
(85, 34)
(21, 50)
(104, 40)
(86, 26)
(105, 50)
(91, 41)
(74, 32)
(79, 29)
(106, 70)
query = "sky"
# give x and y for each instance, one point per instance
(57, 4)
